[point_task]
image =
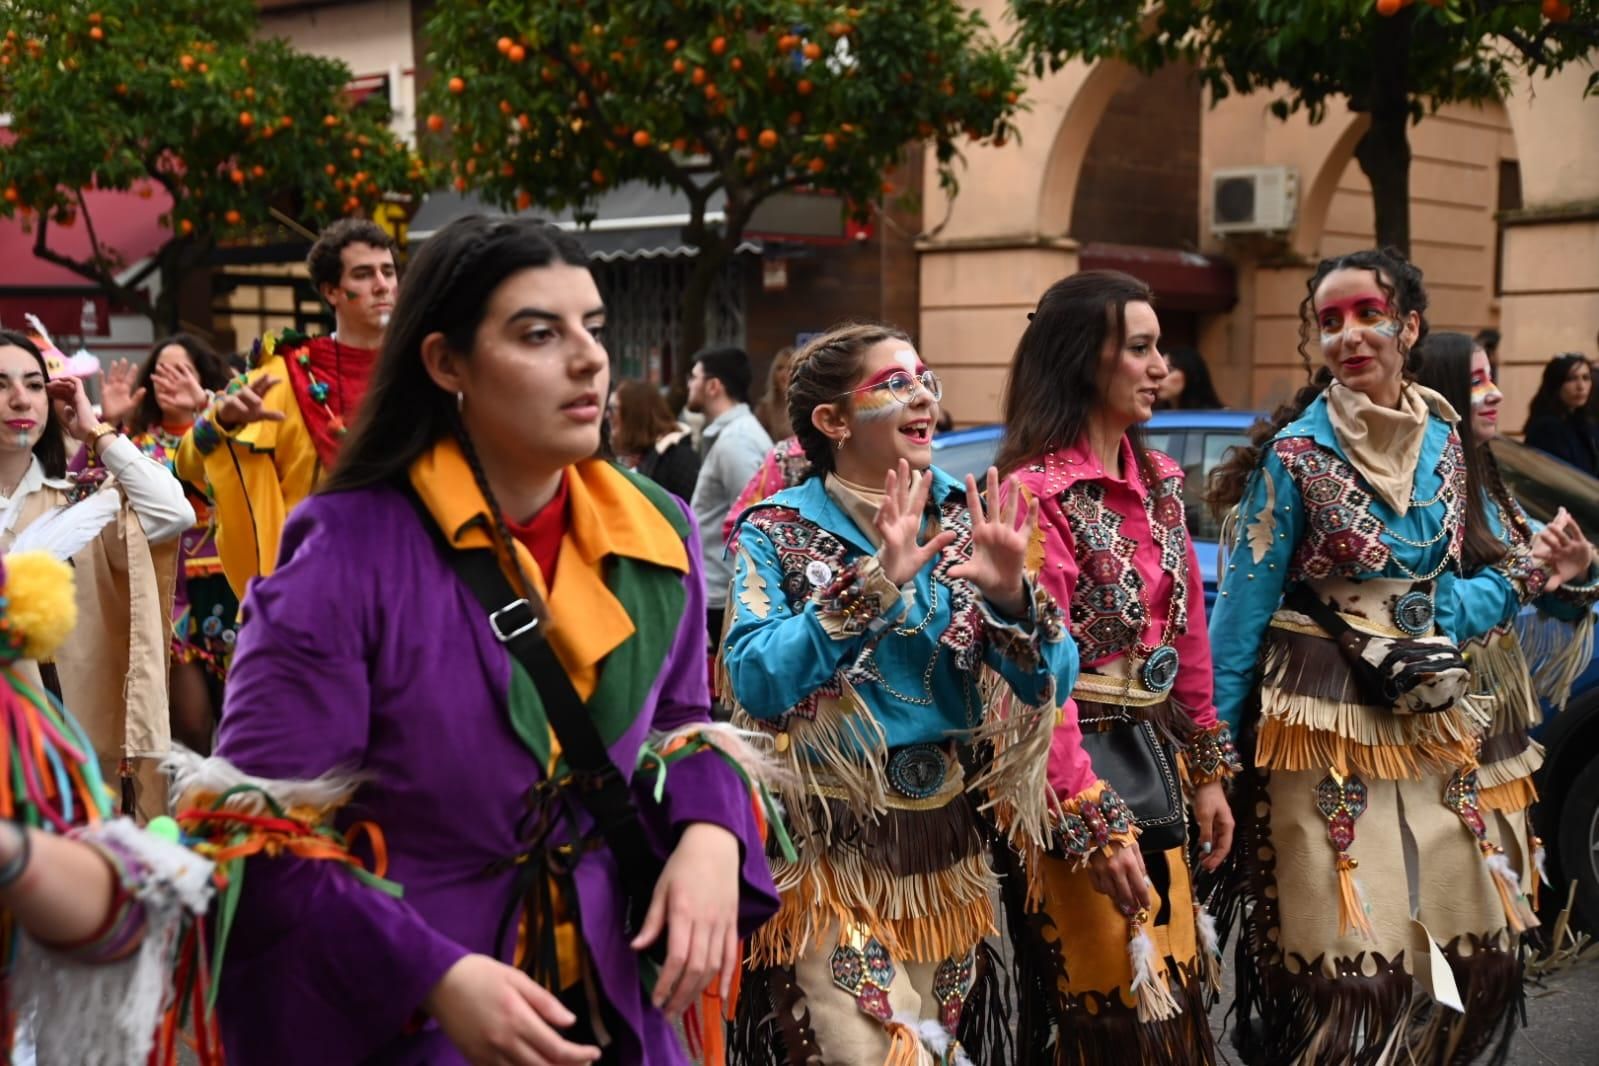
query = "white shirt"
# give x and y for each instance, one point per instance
(153, 493)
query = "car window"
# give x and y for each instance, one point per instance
(1213, 448)
(1544, 484)
(974, 458)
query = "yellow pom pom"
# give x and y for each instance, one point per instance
(41, 607)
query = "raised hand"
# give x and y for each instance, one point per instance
(999, 545)
(899, 521)
(118, 397)
(1560, 547)
(73, 406)
(245, 406)
(178, 388)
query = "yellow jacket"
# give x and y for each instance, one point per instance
(257, 474)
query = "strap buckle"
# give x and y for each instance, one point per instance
(519, 619)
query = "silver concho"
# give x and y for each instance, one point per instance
(1160, 670)
(917, 771)
(1413, 613)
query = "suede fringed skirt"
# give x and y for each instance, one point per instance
(1073, 948)
(1379, 913)
(877, 952)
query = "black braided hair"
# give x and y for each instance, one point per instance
(502, 532)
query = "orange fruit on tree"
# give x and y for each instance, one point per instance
(678, 66)
(516, 53)
(718, 45)
(185, 227)
(232, 218)
(829, 141)
(236, 176)
(699, 76)
(523, 121)
(670, 45)
(12, 195)
(186, 62)
(767, 139)
(246, 119)
(460, 184)
(435, 122)
(710, 91)
(597, 176)
(795, 118)
(258, 171)
(813, 51)
(330, 170)
(1388, 7)
(817, 165)
(457, 85)
(641, 139)
(787, 43)
(504, 45)
(94, 18)
(524, 200)
(736, 63)
(505, 107)
(96, 33)
(286, 121)
(804, 86)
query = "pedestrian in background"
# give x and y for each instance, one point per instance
(648, 440)
(1559, 420)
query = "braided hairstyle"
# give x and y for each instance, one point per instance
(1443, 364)
(822, 371)
(1400, 280)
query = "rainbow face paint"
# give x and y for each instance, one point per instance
(1368, 311)
(877, 397)
(1484, 393)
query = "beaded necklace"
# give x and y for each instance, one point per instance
(318, 390)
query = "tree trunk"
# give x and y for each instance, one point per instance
(714, 250)
(1384, 149)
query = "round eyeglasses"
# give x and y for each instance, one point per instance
(902, 386)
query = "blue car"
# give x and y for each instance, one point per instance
(1568, 810)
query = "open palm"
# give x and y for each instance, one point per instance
(999, 545)
(899, 522)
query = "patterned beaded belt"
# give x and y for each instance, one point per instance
(920, 777)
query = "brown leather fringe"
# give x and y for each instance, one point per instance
(1098, 1030)
(1489, 979)
(1035, 959)
(903, 842)
(1299, 747)
(985, 1028)
(1510, 797)
(772, 1026)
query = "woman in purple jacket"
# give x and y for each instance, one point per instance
(366, 657)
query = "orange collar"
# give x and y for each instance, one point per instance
(609, 516)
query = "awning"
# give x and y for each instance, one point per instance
(636, 221)
(1183, 281)
(127, 225)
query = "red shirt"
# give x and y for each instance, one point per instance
(542, 533)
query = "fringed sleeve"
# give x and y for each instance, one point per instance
(775, 655)
(1270, 524)
(1035, 655)
(1471, 606)
(101, 1001)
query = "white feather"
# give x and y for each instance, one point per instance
(65, 531)
(195, 774)
(38, 327)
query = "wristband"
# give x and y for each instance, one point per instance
(104, 429)
(205, 434)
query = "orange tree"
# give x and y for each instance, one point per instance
(1393, 59)
(179, 94)
(554, 103)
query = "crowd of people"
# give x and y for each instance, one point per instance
(515, 726)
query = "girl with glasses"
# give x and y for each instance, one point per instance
(868, 601)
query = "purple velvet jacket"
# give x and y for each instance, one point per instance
(364, 652)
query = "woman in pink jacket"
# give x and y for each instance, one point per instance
(1122, 950)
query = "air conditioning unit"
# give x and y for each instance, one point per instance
(1253, 200)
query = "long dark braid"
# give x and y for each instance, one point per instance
(1401, 281)
(1500, 494)
(507, 543)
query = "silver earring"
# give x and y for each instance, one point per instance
(842, 439)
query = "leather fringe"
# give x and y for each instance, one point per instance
(1035, 957)
(1500, 672)
(772, 1026)
(1490, 983)
(1558, 653)
(985, 1028)
(1511, 797)
(1101, 1030)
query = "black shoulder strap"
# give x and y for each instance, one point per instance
(596, 783)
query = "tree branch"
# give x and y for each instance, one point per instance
(94, 239)
(132, 298)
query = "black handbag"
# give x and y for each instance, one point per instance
(1133, 758)
(592, 780)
